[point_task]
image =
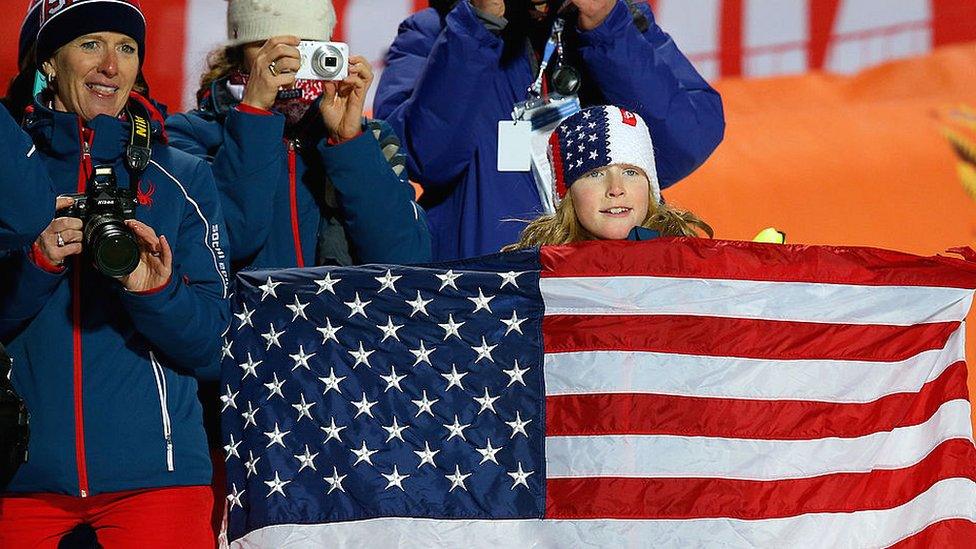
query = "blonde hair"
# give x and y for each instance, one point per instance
(221, 63)
(564, 227)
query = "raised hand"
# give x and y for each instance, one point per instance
(343, 103)
(272, 68)
(155, 260)
(491, 7)
(592, 13)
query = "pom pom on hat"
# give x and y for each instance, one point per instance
(257, 20)
(596, 137)
(62, 22)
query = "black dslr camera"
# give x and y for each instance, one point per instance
(103, 209)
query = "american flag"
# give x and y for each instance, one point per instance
(677, 392)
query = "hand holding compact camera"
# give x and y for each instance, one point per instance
(344, 102)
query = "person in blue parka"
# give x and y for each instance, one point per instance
(458, 68)
(303, 179)
(105, 360)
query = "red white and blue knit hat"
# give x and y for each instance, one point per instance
(64, 20)
(28, 29)
(596, 137)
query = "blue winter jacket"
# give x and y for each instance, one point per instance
(25, 210)
(107, 375)
(277, 202)
(446, 87)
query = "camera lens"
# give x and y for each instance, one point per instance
(327, 62)
(111, 245)
(566, 80)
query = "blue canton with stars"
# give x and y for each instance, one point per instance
(354, 393)
(583, 143)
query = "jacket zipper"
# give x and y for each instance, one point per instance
(293, 197)
(86, 136)
(164, 409)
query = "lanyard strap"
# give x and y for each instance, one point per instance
(554, 43)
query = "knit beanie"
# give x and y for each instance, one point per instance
(596, 137)
(257, 20)
(61, 22)
(28, 29)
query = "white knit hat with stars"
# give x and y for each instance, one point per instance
(257, 20)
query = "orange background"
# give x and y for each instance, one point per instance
(844, 160)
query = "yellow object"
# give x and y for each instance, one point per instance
(771, 235)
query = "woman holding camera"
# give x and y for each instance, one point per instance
(303, 180)
(115, 305)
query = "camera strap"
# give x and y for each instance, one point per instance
(554, 43)
(139, 150)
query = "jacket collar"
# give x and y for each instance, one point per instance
(59, 134)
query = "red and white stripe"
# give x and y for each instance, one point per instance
(735, 394)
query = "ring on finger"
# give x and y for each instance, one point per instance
(60, 240)
(273, 68)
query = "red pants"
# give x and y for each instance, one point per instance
(143, 519)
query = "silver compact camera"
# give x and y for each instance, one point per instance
(323, 60)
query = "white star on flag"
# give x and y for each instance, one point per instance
(335, 480)
(276, 485)
(509, 278)
(447, 279)
(225, 350)
(272, 337)
(274, 387)
(454, 378)
(249, 415)
(231, 448)
(481, 302)
(456, 429)
(487, 403)
(307, 459)
(387, 281)
(252, 464)
(457, 479)
(419, 305)
(268, 288)
(363, 454)
(357, 306)
(329, 332)
(395, 430)
(426, 455)
(422, 354)
(332, 382)
(364, 406)
(234, 497)
(520, 476)
(244, 317)
(514, 323)
(276, 437)
(451, 328)
(362, 356)
(301, 359)
(516, 374)
(250, 367)
(484, 351)
(393, 380)
(297, 309)
(229, 400)
(390, 330)
(332, 431)
(395, 479)
(326, 284)
(424, 404)
(304, 409)
(488, 453)
(518, 426)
